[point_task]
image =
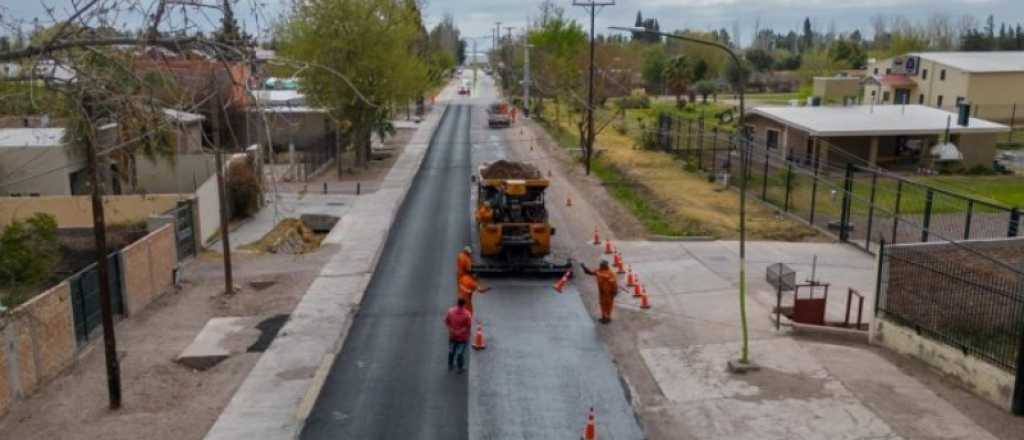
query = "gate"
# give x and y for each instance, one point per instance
(184, 230)
(85, 297)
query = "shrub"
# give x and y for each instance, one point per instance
(634, 102)
(981, 170)
(28, 253)
(243, 188)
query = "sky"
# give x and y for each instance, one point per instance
(476, 18)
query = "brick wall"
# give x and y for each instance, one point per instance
(38, 343)
(148, 268)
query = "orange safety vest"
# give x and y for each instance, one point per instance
(464, 264)
(467, 286)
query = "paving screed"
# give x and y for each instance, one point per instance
(545, 364)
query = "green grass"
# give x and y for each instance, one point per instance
(1000, 190)
(653, 219)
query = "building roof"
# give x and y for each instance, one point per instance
(873, 120)
(978, 62)
(893, 80)
(279, 97)
(182, 117)
(31, 137)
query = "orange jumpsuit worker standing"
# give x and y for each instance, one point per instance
(607, 288)
(467, 287)
(464, 262)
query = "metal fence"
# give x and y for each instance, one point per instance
(956, 294)
(313, 158)
(85, 296)
(862, 205)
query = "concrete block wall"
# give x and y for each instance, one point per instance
(37, 339)
(148, 266)
(981, 378)
(38, 343)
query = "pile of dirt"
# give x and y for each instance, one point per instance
(504, 169)
(290, 236)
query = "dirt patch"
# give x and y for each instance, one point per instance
(504, 169)
(291, 236)
(162, 399)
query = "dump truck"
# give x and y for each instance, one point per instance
(515, 238)
(498, 115)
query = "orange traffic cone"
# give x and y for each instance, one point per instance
(608, 249)
(478, 340)
(638, 290)
(590, 431)
(644, 302)
(568, 201)
(562, 282)
(630, 277)
(597, 238)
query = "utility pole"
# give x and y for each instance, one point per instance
(526, 78)
(99, 228)
(588, 148)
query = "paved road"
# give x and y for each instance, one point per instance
(545, 364)
(390, 380)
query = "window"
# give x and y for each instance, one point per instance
(920, 98)
(924, 73)
(772, 139)
(885, 96)
(942, 75)
(938, 101)
(888, 71)
(876, 71)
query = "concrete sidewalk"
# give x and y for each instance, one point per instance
(275, 399)
(805, 389)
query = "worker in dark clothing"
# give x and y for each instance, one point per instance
(607, 288)
(459, 322)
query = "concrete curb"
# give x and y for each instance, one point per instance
(280, 391)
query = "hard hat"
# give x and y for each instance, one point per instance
(468, 249)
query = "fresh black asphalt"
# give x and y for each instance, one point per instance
(390, 380)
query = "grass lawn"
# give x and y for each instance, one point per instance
(999, 190)
(656, 188)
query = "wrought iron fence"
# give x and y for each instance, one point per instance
(860, 204)
(956, 294)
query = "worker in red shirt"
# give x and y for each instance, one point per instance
(459, 322)
(468, 285)
(464, 262)
(607, 288)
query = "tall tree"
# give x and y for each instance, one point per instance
(363, 57)
(678, 76)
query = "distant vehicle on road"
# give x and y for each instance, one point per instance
(463, 90)
(498, 115)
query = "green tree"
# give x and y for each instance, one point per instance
(363, 55)
(761, 59)
(850, 53)
(28, 253)
(653, 70)
(678, 75)
(705, 88)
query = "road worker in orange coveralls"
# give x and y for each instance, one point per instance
(464, 262)
(468, 285)
(607, 288)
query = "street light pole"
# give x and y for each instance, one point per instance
(744, 361)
